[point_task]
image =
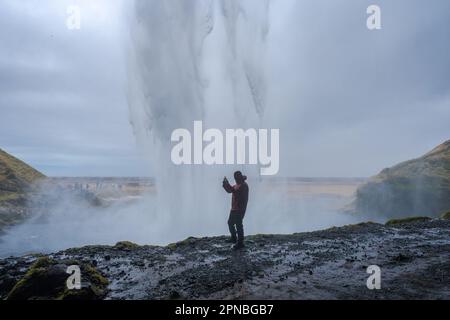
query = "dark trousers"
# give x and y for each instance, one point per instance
(235, 225)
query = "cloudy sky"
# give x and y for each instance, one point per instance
(62, 92)
(348, 101)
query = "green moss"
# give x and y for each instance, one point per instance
(16, 180)
(172, 246)
(260, 236)
(95, 276)
(42, 262)
(96, 289)
(11, 167)
(185, 242)
(446, 216)
(8, 196)
(29, 285)
(126, 245)
(46, 279)
(361, 224)
(407, 220)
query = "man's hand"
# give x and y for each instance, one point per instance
(226, 185)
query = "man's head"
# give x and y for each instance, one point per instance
(239, 177)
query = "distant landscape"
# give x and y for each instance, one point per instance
(419, 187)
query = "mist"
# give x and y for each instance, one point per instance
(348, 102)
(65, 219)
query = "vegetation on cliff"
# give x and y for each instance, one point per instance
(16, 181)
(15, 176)
(412, 188)
(46, 279)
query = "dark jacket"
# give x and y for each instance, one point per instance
(240, 195)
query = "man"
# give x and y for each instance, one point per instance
(238, 207)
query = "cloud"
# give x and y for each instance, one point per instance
(353, 101)
(62, 92)
(348, 101)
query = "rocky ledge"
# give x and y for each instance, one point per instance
(414, 257)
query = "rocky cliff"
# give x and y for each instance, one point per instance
(15, 175)
(16, 180)
(416, 187)
(414, 257)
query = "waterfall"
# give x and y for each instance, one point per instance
(194, 60)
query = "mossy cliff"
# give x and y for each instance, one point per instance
(17, 180)
(15, 176)
(413, 188)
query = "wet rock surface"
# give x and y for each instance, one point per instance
(414, 259)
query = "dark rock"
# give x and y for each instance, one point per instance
(402, 258)
(174, 295)
(46, 279)
(149, 272)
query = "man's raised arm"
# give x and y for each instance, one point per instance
(228, 188)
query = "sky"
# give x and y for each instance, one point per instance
(356, 101)
(63, 105)
(348, 101)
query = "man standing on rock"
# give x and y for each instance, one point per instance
(238, 207)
